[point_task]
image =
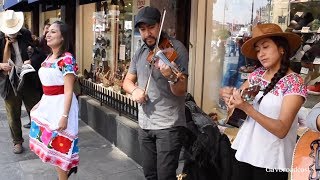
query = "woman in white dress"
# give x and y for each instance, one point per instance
(265, 142)
(54, 120)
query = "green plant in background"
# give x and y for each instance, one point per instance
(222, 33)
(315, 24)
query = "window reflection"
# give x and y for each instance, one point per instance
(232, 21)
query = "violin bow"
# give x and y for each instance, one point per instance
(154, 54)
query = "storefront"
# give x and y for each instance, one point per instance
(222, 28)
(107, 39)
(212, 31)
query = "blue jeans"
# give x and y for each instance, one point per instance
(160, 151)
(230, 77)
(241, 62)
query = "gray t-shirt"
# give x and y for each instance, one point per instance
(163, 109)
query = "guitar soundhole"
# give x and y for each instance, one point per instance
(237, 118)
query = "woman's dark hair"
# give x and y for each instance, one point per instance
(66, 46)
(284, 67)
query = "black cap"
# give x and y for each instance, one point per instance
(148, 15)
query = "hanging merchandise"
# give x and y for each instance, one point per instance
(305, 21)
(111, 48)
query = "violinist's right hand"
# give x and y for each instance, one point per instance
(226, 93)
(139, 96)
(5, 67)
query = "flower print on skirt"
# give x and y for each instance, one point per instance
(57, 148)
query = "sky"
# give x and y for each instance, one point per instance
(237, 11)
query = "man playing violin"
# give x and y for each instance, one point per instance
(160, 91)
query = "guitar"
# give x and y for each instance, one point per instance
(306, 162)
(236, 116)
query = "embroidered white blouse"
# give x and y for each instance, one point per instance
(254, 144)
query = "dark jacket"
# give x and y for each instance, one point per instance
(43, 47)
(32, 82)
(208, 153)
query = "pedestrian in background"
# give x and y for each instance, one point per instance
(42, 39)
(14, 41)
(267, 138)
(161, 107)
(44, 49)
(54, 131)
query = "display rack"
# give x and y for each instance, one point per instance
(305, 21)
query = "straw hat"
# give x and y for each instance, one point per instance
(11, 22)
(267, 30)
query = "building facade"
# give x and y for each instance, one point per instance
(212, 31)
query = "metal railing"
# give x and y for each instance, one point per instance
(124, 105)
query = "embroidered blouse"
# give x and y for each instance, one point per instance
(254, 144)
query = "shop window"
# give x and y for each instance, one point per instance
(111, 51)
(232, 21)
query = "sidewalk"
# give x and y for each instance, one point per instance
(99, 159)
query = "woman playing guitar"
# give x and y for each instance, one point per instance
(265, 142)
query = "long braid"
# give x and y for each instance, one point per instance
(284, 67)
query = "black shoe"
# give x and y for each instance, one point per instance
(27, 125)
(73, 170)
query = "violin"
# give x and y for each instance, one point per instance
(168, 50)
(166, 54)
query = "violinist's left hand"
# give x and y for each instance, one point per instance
(166, 70)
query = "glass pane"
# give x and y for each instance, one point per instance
(112, 49)
(232, 21)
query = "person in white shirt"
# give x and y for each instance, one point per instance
(265, 142)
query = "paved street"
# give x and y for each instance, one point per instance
(99, 159)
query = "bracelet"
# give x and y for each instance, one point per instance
(64, 115)
(134, 90)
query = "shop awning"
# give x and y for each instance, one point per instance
(32, 1)
(11, 3)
